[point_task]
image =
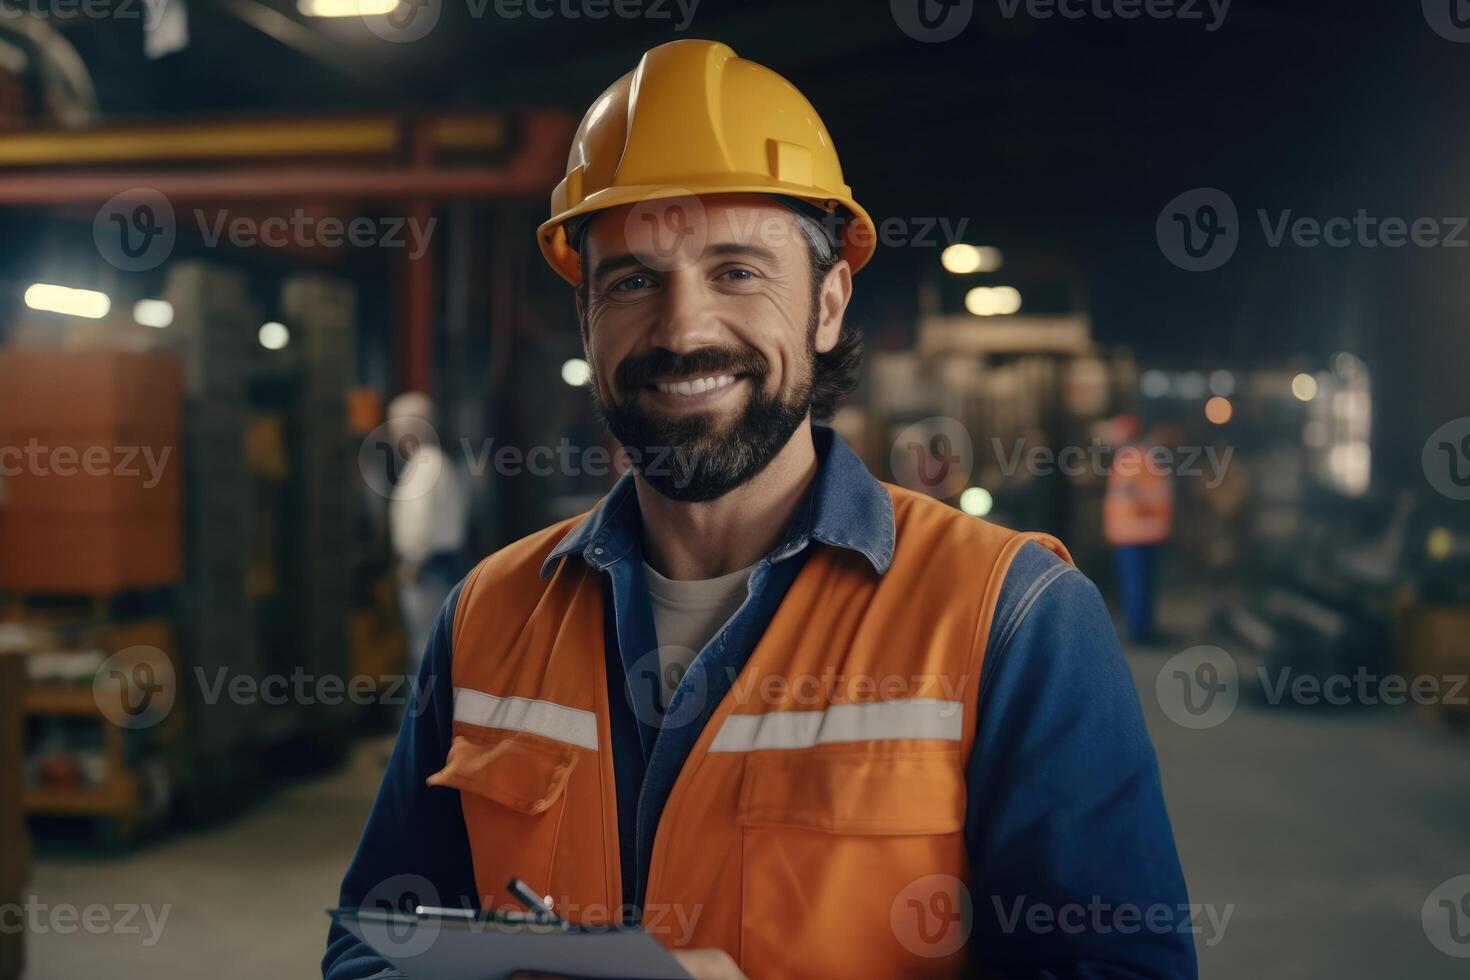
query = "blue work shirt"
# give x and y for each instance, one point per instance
(1074, 869)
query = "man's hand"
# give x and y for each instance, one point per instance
(701, 964)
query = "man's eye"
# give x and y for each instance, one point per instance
(631, 284)
(739, 275)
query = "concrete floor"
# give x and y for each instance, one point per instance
(1324, 832)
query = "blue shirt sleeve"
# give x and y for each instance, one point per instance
(1074, 865)
(414, 849)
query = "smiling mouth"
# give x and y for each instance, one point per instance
(695, 386)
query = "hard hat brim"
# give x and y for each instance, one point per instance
(858, 244)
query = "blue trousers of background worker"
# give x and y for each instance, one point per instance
(1137, 568)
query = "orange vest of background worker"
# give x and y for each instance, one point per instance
(1138, 507)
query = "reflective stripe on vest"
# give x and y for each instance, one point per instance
(554, 721)
(872, 722)
(815, 829)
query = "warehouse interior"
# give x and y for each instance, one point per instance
(232, 232)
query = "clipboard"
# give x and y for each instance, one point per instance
(473, 946)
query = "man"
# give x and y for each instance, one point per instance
(1138, 510)
(428, 519)
(895, 737)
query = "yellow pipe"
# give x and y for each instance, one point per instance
(252, 139)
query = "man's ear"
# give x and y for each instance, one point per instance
(832, 300)
(580, 292)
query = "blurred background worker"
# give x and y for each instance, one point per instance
(428, 519)
(1138, 511)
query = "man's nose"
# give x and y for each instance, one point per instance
(686, 319)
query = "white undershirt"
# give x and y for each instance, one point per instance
(686, 614)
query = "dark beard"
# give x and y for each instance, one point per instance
(686, 458)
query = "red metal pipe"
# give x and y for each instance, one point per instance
(534, 169)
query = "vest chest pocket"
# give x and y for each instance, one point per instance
(513, 792)
(835, 839)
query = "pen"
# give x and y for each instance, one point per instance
(540, 905)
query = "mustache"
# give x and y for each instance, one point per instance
(638, 371)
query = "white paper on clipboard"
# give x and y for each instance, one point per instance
(431, 948)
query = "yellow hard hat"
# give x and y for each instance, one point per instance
(693, 118)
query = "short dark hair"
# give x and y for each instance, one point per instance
(834, 372)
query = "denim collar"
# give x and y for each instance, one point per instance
(846, 508)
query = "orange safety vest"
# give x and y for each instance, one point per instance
(815, 829)
(1138, 506)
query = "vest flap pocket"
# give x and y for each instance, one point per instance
(868, 791)
(523, 772)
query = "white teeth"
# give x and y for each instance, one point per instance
(695, 387)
